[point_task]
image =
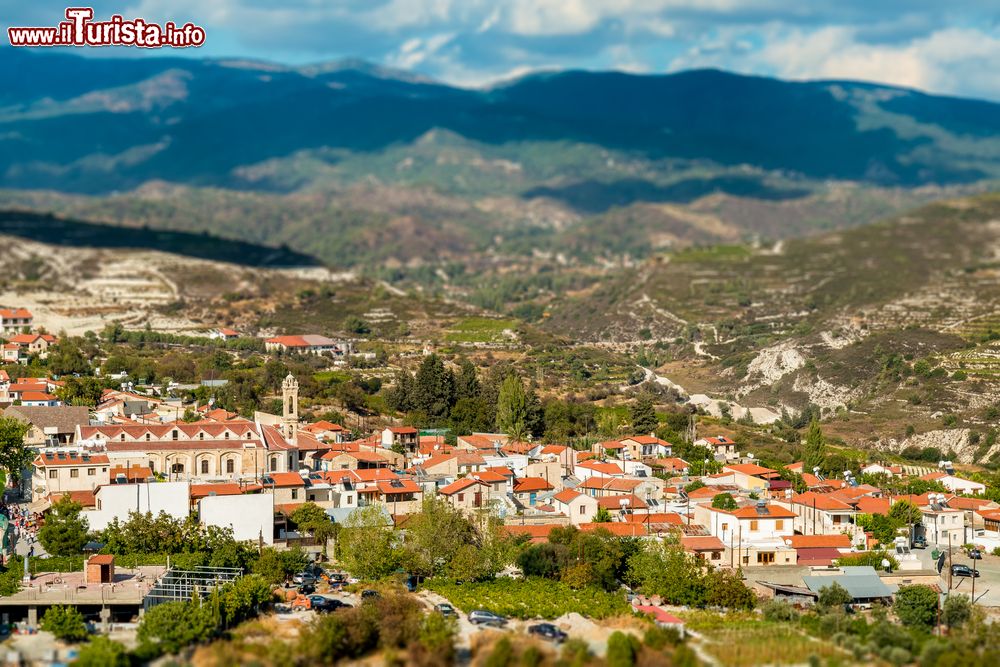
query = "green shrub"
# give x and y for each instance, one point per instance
(102, 652)
(779, 611)
(623, 649)
(65, 623)
(530, 598)
(658, 638)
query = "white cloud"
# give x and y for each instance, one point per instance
(951, 60)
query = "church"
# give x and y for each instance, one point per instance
(233, 450)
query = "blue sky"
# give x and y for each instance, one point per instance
(943, 46)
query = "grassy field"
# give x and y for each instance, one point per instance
(480, 330)
(744, 640)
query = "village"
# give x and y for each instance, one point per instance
(789, 532)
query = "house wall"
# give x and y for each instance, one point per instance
(116, 501)
(251, 516)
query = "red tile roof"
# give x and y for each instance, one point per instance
(750, 512)
(702, 543)
(50, 459)
(285, 480)
(199, 491)
(749, 469)
(526, 484)
(537, 532)
(567, 496)
(460, 485)
(838, 541)
(614, 502)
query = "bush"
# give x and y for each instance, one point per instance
(65, 623)
(916, 605)
(658, 638)
(623, 649)
(779, 611)
(832, 596)
(171, 626)
(102, 652)
(502, 654)
(957, 610)
(530, 598)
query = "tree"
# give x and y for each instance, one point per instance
(65, 622)
(512, 408)
(356, 325)
(81, 391)
(102, 652)
(603, 515)
(434, 389)
(905, 513)
(833, 596)
(812, 455)
(172, 626)
(65, 531)
(664, 569)
(13, 454)
(957, 610)
(313, 519)
(467, 381)
(400, 396)
(368, 545)
(724, 501)
(725, 588)
(916, 605)
(643, 415)
(434, 536)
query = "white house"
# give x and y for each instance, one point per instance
(580, 508)
(956, 484)
(117, 501)
(756, 533)
(251, 516)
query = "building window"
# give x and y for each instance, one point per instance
(53, 474)
(177, 468)
(152, 468)
(75, 472)
(583, 510)
(226, 436)
(295, 494)
(91, 472)
(765, 557)
(201, 436)
(461, 497)
(716, 555)
(779, 524)
(204, 466)
(174, 434)
(147, 437)
(348, 500)
(753, 524)
(274, 464)
(230, 466)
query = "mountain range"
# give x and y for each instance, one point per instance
(92, 125)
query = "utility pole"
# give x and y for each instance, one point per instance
(949, 562)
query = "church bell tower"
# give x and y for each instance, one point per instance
(290, 407)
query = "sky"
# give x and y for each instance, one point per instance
(941, 46)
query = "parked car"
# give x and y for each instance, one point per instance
(307, 589)
(975, 554)
(959, 570)
(369, 594)
(483, 617)
(321, 603)
(304, 578)
(547, 631)
(446, 609)
(919, 543)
